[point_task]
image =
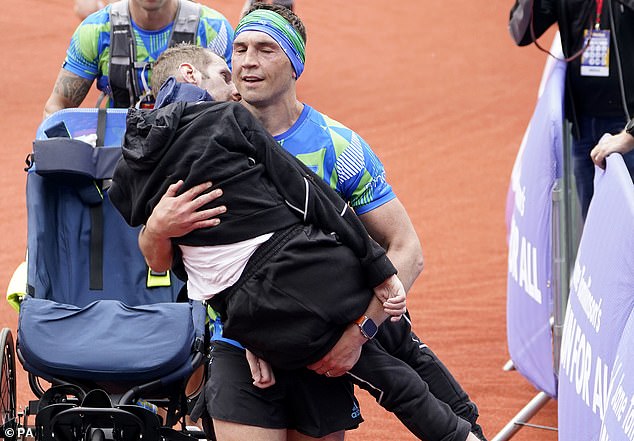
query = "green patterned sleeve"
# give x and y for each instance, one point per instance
(86, 47)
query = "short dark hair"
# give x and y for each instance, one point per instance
(168, 62)
(288, 15)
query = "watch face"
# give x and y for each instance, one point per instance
(369, 328)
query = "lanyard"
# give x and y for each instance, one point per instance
(599, 9)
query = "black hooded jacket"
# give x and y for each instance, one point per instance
(264, 188)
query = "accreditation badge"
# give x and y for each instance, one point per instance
(595, 60)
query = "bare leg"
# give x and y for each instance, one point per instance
(228, 431)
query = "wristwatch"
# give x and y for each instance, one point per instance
(629, 127)
(367, 326)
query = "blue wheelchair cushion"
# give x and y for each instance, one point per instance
(71, 157)
(105, 340)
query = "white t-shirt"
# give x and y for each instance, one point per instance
(210, 269)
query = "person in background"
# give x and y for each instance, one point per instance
(622, 142)
(596, 38)
(121, 62)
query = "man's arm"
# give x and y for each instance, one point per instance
(69, 91)
(175, 216)
(344, 355)
(156, 248)
(392, 228)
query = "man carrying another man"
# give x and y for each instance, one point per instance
(266, 65)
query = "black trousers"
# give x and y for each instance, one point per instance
(415, 385)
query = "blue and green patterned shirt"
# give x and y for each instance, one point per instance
(89, 50)
(341, 157)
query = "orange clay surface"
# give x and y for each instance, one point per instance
(439, 91)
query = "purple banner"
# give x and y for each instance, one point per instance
(529, 292)
(600, 303)
(618, 424)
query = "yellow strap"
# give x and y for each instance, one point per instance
(155, 280)
(17, 286)
(213, 315)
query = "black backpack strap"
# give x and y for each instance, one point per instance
(186, 24)
(121, 75)
(96, 247)
(101, 127)
(123, 78)
(96, 218)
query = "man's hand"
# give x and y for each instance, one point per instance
(620, 143)
(175, 216)
(346, 352)
(392, 295)
(343, 355)
(261, 371)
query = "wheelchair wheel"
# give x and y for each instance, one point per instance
(7, 386)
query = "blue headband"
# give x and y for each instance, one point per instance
(280, 30)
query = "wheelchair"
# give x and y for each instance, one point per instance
(109, 346)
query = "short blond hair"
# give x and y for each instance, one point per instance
(167, 64)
